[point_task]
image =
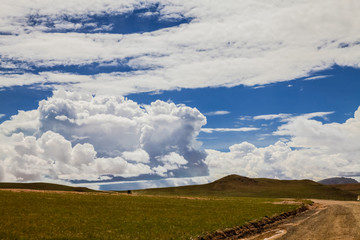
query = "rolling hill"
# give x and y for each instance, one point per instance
(238, 186)
(230, 186)
(354, 187)
(43, 186)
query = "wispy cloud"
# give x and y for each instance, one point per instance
(286, 116)
(317, 77)
(244, 129)
(215, 113)
(272, 116)
(151, 183)
(229, 52)
(322, 115)
(349, 174)
(246, 118)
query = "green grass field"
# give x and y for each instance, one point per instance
(352, 187)
(152, 213)
(50, 215)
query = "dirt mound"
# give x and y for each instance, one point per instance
(252, 228)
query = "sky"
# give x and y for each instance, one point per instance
(136, 94)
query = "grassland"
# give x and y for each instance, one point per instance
(53, 215)
(152, 213)
(352, 187)
(237, 186)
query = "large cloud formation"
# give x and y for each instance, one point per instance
(313, 150)
(80, 136)
(223, 44)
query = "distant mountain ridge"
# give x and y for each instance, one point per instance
(239, 186)
(337, 180)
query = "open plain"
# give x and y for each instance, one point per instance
(233, 207)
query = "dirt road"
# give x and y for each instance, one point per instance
(332, 220)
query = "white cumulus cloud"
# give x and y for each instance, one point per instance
(314, 150)
(80, 136)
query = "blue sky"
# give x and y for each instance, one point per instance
(336, 91)
(253, 88)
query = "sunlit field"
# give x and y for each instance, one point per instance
(53, 215)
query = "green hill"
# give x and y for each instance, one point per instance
(43, 186)
(231, 186)
(238, 186)
(353, 187)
